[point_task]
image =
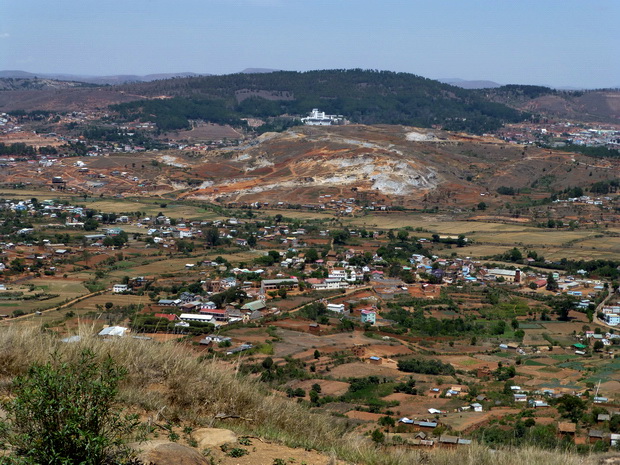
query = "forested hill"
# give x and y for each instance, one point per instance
(362, 96)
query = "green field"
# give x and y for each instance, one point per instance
(65, 289)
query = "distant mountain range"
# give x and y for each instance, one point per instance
(101, 80)
(259, 70)
(116, 78)
(465, 84)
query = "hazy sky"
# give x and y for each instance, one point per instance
(554, 42)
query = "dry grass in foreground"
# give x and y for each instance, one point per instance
(165, 382)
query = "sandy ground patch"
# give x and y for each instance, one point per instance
(360, 370)
(461, 421)
(328, 388)
(416, 407)
(265, 453)
(384, 350)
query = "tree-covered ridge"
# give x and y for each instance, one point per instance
(362, 96)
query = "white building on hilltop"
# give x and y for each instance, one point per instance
(319, 118)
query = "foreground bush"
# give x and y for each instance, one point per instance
(63, 412)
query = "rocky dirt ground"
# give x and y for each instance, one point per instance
(223, 447)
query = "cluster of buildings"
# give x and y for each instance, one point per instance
(557, 134)
(319, 118)
(611, 315)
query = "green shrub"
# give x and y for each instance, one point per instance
(237, 452)
(64, 413)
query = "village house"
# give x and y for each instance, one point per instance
(509, 276)
(119, 288)
(369, 316)
(567, 429)
(274, 284)
(338, 308)
(595, 435)
(214, 339)
(216, 313)
(323, 284)
(187, 317)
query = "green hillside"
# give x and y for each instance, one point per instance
(362, 96)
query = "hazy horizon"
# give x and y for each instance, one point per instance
(574, 43)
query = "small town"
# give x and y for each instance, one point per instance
(309, 233)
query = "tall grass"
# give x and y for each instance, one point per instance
(168, 383)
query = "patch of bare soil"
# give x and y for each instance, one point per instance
(265, 453)
(417, 406)
(360, 370)
(328, 388)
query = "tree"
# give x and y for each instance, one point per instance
(482, 206)
(212, 236)
(90, 224)
(402, 235)
(377, 436)
(62, 413)
(387, 421)
(552, 284)
(571, 407)
(267, 363)
(498, 328)
(17, 265)
(317, 355)
(184, 246)
(312, 255)
(562, 306)
(515, 255)
(340, 236)
(598, 346)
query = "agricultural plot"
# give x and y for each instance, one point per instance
(484, 250)
(96, 302)
(163, 265)
(153, 208)
(296, 214)
(531, 238)
(65, 290)
(438, 224)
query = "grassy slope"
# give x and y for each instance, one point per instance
(164, 378)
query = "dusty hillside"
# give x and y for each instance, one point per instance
(62, 98)
(586, 106)
(591, 106)
(170, 383)
(383, 161)
(382, 164)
